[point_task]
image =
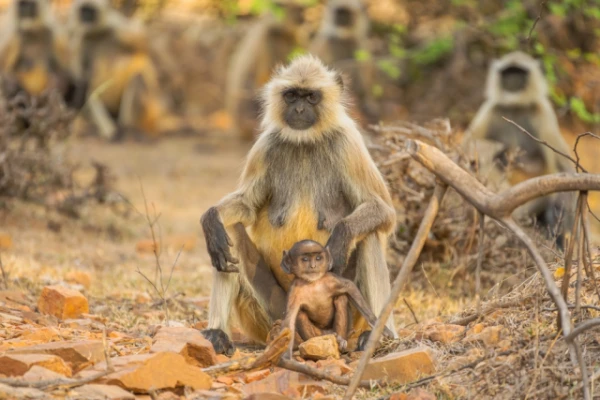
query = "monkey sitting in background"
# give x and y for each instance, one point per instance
(34, 52)
(269, 42)
(517, 90)
(110, 54)
(308, 176)
(318, 299)
(344, 31)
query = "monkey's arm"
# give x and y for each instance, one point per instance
(346, 286)
(238, 207)
(479, 126)
(291, 315)
(550, 133)
(9, 52)
(374, 210)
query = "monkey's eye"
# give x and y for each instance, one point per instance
(305, 259)
(290, 96)
(314, 98)
(319, 258)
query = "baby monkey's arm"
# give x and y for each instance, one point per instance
(291, 314)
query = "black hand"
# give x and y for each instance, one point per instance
(338, 245)
(218, 242)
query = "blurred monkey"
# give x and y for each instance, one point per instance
(344, 31)
(517, 90)
(269, 42)
(33, 51)
(110, 54)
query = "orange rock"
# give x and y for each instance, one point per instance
(79, 277)
(222, 358)
(287, 383)
(320, 348)
(75, 353)
(160, 371)
(444, 333)
(19, 364)
(490, 336)
(188, 342)
(226, 380)
(415, 394)
(62, 302)
(267, 396)
(335, 367)
(256, 375)
(105, 392)
(402, 367)
(200, 325)
(42, 335)
(37, 373)
(5, 241)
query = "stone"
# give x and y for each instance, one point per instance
(415, 394)
(63, 303)
(287, 383)
(100, 392)
(158, 371)
(401, 367)
(334, 367)
(320, 348)
(490, 336)
(188, 342)
(19, 364)
(75, 353)
(256, 375)
(6, 241)
(267, 396)
(7, 392)
(44, 335)
(37, 373)
(444, 333)
(226, 380)
(79, 277)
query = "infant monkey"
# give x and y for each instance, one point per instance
(318, 299)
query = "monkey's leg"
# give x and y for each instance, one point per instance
(253, 293)
(372, 275)
(101, 118)
(305, 328)
(340, 319)
(131, 109)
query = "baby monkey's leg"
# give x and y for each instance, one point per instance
(306, 328)
(340, 319)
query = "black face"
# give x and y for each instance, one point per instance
(301, 111)
(28, 9)
(514, 79)
(344, 17)
(88, 14)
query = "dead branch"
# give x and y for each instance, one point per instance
(295, 366)
(407, 266)
(411, 311)
(584, 326)
(488, 309)
(4, 274)
(479, 262)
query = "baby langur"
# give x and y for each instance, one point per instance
(318, 299)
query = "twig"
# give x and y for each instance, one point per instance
(580, 258)
(411, 311)
(488, 310)
(565, 155)
(587, 257)
(407, 266)
(579, 137)
(569, 253)
(321, 374)
(479, 262)
(539, 17)
(584, 326)
(4, 274)
(583, 306)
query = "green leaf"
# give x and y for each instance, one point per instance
(390, 68)
(578, 107)
(362, 55)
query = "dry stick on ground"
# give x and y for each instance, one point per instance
(569, 254)
(4, 274)
(65, 382)
(407, 266)
(587, 258)
(411, 311)
(499, 207)
(488, 310)
(479, 262)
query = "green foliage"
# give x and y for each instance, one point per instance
(390, 67)
(362, 55)
(433, 51)
(579, 109)
(297, 51)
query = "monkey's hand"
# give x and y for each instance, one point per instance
(339, 245)
(218, 242)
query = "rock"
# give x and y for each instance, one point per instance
(334, 367)
(444, 333)
(63, 303)
(475, 329)
(402, 367)
(41, 335)
(188, 342)
(287, 383)
(159, 371)
(79, 277)
(19, 364)
(267, 396)
(37, 373)
(256, 375)
(5, 241)
(7, 392)
(320, 348)
(100, 392)
(490, 336)
(226, 380)
(74, 353)
(415, 394)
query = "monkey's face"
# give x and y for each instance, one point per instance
(307, 260)
(343, 17)
(27, 9)
(514, 78)
(88, 14)
(301, 110)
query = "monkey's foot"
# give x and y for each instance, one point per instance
(362, 340)
(274, 331)
(220, 341)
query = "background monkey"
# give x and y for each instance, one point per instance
(345, 30)
(268, 43)
(309, 175)
(517, 90)
(110, 55)
(33, 52)
(318, 300)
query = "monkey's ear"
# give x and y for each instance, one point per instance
(339, 80)
(286, 263)
(329, 259)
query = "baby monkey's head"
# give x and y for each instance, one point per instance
(307, 260)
